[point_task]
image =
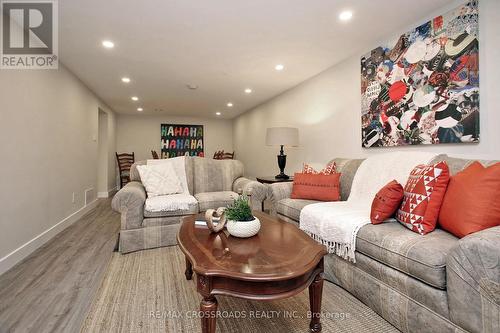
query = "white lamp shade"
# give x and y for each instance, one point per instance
(282, 136)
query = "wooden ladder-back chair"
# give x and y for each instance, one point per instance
(221, 155)
(125, 161)
(227, 156)
(218, 154)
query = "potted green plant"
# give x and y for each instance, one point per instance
(240, 221)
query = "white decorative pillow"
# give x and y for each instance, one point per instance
(159, 179)
(179, 166)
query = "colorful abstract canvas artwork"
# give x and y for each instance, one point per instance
(423, 88)
(181, 140)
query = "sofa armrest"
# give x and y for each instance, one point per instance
(277, 192)
(129, 201)
(256, 191)
(473, 279)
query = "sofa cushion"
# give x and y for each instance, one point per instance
(214, 200)
(215, 175)
(193, 209)
(172, 202)
(423, 257)
(291, 207)
(347, 168)
(456, 164)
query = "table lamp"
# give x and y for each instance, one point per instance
(282, 136)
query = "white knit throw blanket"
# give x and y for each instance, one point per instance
(336, 224)
(172, 202)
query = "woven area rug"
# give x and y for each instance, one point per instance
(146, 291)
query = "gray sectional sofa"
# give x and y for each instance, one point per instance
(431, 283)
(214, 183)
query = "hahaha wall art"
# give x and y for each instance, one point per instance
(423, 88)
(181, 140)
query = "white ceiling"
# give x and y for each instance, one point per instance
(223, 46)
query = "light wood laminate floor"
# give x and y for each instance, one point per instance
(53, 288)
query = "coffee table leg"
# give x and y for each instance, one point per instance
(208, 309)
(315, 295)
(189, 270)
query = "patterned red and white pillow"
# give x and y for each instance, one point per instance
(423, 196)
(330, 169)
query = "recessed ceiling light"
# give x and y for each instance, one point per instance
(135, 98)
(140, 109)
(108, 44)
(126, 79)
(218, 113)
(346, 15)
(248, 91)
(229, 105)
(192, 86)
(279, 67)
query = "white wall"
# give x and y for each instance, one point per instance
(326, 109)
(106, 168)
(102, 155)
(141, 133)
(48, 135)
(113, 180)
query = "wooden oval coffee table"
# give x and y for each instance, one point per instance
(279, 262)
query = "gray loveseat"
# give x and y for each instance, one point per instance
(431, 283)
(214, 183)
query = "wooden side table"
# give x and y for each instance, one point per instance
(271, 180)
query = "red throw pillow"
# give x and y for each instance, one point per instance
(328, 170)
(316, 187)
(424, 193)
(471, 201)
(386, 202)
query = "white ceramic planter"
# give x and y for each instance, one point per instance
(243, 229)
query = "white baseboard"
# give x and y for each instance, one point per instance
(110, 192)
(26, 249)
